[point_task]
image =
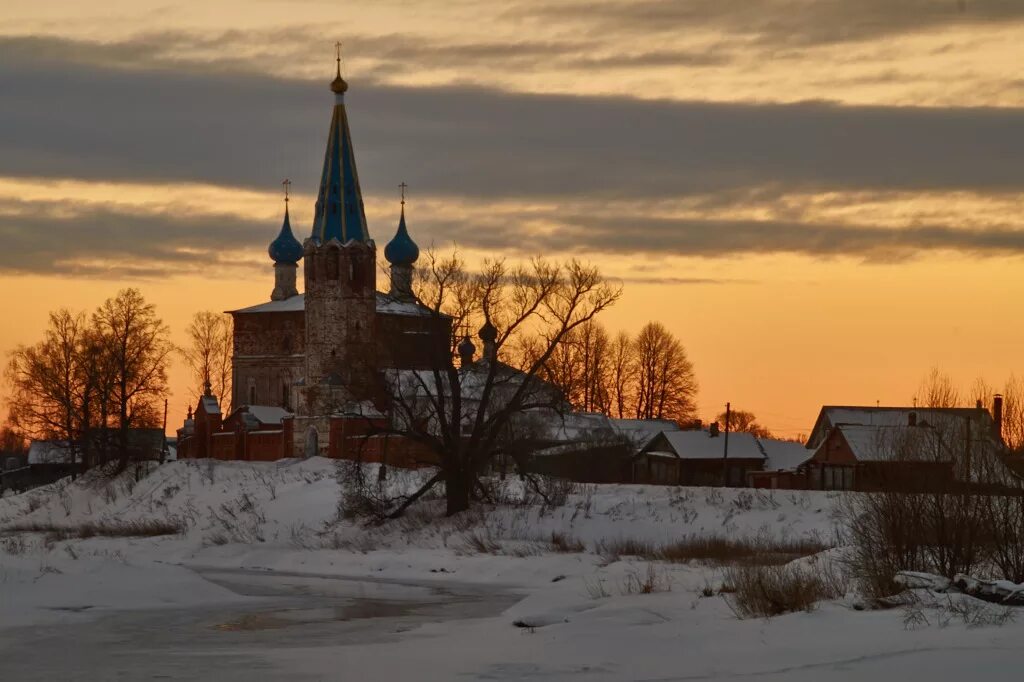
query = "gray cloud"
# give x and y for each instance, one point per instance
(75, 110)
(52, 238)
(67, 117)
(599, 232)
(780, 23)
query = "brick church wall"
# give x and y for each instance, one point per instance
(268, 358)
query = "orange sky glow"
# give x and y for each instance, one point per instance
(795, 275)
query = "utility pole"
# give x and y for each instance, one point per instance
(725, 454)
(163, 434)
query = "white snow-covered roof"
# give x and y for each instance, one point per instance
(783, 455)
(386, 305)
(837, 415)
(268, 414)
(700, 444)
(886, 443)
(49, 452)
(641, 430)
(576, 426)
(210, 405)
(868, 443)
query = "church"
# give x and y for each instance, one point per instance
(308, 367)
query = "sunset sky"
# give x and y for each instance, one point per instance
(821, 198)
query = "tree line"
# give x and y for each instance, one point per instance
(646, 376)
(938, 389)
(91, 379)
(94, 377)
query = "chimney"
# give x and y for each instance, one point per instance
(997, 415)
(713, 430)
(978, 404)
(912, 419)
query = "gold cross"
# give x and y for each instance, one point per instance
(287, 183)
(337, 51)
(403, 187)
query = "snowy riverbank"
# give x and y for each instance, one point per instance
(262, 552)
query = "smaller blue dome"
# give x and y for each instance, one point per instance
(286, 248)
(402, 250)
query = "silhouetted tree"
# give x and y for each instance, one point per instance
(937, 390)
(463, 415)
(209, 354)
(48, 381)
(665, 381)
(135, 343)
(741, 421)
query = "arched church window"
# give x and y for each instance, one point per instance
(252, 395)
(332, 265)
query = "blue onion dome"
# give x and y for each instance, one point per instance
(402, 250)
(286, 248)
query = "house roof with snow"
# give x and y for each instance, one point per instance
(923, 442)
(386, 305)
(838, 415)
(783, 455)
(701, 444)
(640, 431)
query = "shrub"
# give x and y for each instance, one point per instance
(760, 550)
(106, 529)
(566, 544)
(766, 591)
(650, 581)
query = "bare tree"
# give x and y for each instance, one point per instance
(666, 384)
(209, 354)
(46, 380)
(462, 415)
(741, 421)
(1012, 429)
(135, 343)
(580, 366)
(1013, 413)
(937, 390)
(621, 375)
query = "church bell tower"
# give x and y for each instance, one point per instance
(339, 266)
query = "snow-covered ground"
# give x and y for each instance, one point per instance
(266, 583)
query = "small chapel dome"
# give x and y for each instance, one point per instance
(402, 250)
(285, 248)
(488, 333)
(466, 348)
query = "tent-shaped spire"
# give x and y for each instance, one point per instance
(339, 205)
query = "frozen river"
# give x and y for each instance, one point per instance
(234, 641)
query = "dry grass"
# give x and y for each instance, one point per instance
(145, 528)
(762, 550)
(482, 541)
(649, 581)
(766, 591)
